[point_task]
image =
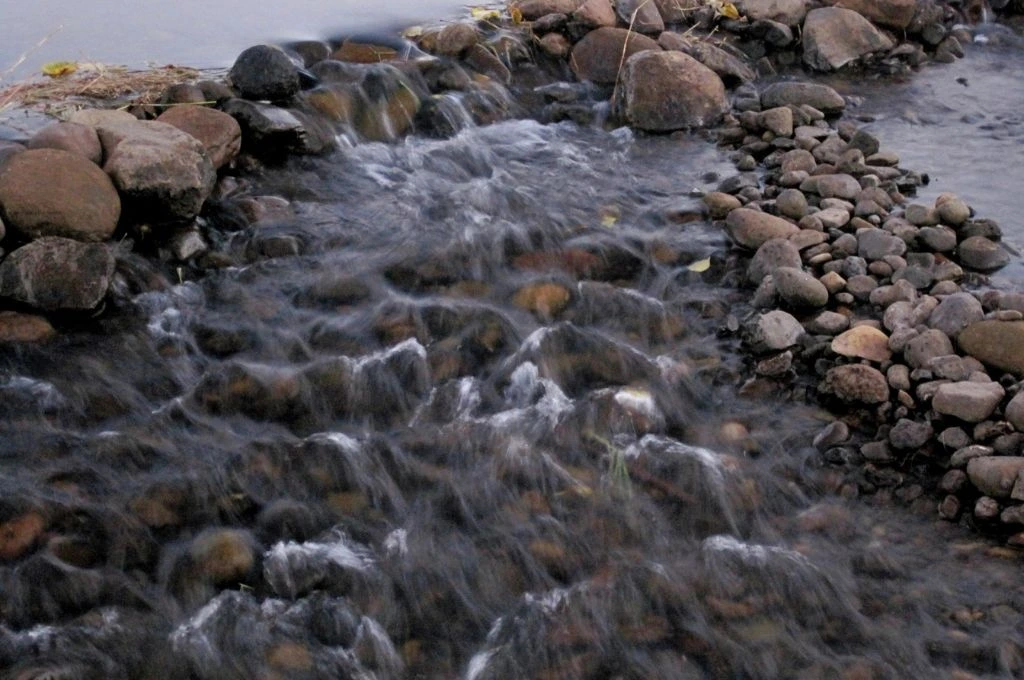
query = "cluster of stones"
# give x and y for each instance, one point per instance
(868, 295)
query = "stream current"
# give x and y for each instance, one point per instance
(466, 412)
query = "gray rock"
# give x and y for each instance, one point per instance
(833, 218)
(163, 174)
(264, 72)
(791, 203)
(834, 37)
(53, 273)
(51, 192)
(752, 228)
(535, 9)
(941, 239)
(827, 323)
(833, 434)
(995, 475)
(982, 254)
(774, 331)
(642, 15)
(932, 343)
(595, 14)
(965, 454)
(732, 70)
(891, 13)
(952, 210)
(898, 377)
(955, 313)
(920, 215)
(797, 160)
(273, 131)
(677, 11)
(799, 289)
(71, 137)
(1014, 412)
(909, 434)
(664, 91)
(833, 186)
(821, 97)
(949, 367)
(788, 12)
(971, 402)
(774, 253)
(456, 38)
(874, 244)
(856, 383)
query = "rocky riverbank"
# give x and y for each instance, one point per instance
(864, 300)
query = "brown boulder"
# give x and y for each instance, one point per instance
(665, 91)
(50, 192)
(219, 133)
(54, 273)
(751, 229)
(728, 67)
(833, 37)
(71, 137)
(18, 327)
(598, 56)
(996, 343)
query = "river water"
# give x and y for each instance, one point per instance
(464, 411)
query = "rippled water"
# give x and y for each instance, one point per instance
(465, 412)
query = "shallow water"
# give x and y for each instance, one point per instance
(465, 412)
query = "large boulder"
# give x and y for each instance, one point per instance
(599, 55)
(272, 131)
(74, 137)
(50, 192)
(891, 13)
(665, 91)
(821, 97)
(996, 343)
(163, 173)
(264, 72)
(218, 132)
(833, 37)
(54, 273)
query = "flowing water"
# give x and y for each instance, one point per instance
(463, 411)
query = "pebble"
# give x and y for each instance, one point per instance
(969, 401)
(856, 383)
(910, 434)
(751, 228)
(799, 289)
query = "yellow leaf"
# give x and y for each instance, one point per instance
(516, 14)
(609, 215)
(700, 265)
(729, 11)
(609, 221)
(412, 32)
(484, 14)
(55, 69)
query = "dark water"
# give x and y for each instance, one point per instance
(463, 412)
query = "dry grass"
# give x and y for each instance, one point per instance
(97, 83)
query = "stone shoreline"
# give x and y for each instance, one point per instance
(859, 291)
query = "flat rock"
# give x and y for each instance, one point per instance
(982, 254)
(925, 347)
(664, 91)
(219, 133)
(51, 192)
(776, 252)
(863, 342)
(799, 289)
(750, 228)
(995, 475)
(162, 173)
(838, 185)
(28, 328)
(274, 131)
(995, 343)
(956, 312)
(834, 37)
(909, 434)
(856, 383)
(54, 273)
(774, 331)
(969, 401)
(74, 138)
(875, 244)
(820, 97)
(264, 72)
(598, 55)
(788, 12)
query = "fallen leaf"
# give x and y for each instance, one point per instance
(516, 14)
(484, 14)
(700, 265)
(729, 11)
(56, 69)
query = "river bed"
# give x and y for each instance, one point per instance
(362, 451)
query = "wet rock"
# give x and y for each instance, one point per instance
(677, 11)
(720, 203)
(75, 138)
(643, 16)
(827, 323)
(833, 434)
(799, 289)
(863, 342)
(774, 253)
(909, 434)
(54, 273)
(982, 254)
(595, 14)
(955, 313)
(821, 97)
(926, 346)
(856, 383)
(456, 38)
(482, 60)
(791, 203)
(834, 37)
(28, 328)
(535, 9)
(995, 343)
(751, 229)
(941, 239)
(995, 475)
(774, 331)
(952, 210)
(545, 299)
(258, 391)
(20, 534)
(986, 508)
(161, 172)
(890, 13)
(732, 70)
(223, 556)
(598, 55)
(832, 186)
(264, 72)
(972, 402)
(50, 192)
(556, 45)
(218, 132)
(665, 91)
(271, 131)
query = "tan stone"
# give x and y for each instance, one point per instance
(863, 342)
